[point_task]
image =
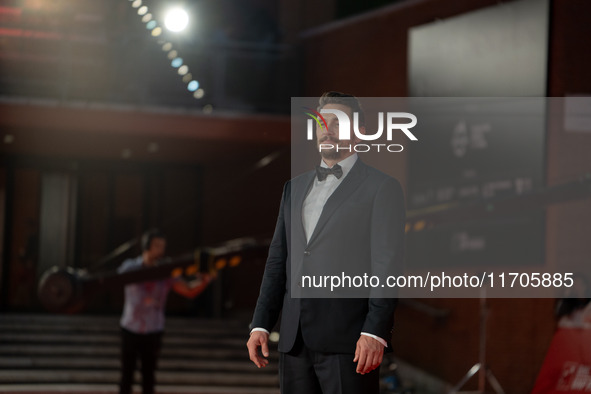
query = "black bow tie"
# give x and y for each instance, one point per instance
(323, 172)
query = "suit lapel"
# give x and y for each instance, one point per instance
(341, 193)
(299, 195)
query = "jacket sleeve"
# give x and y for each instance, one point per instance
(273, 285)
(387, 249)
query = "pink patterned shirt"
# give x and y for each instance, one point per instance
(145, 302)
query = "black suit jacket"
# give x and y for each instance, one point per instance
(362, 221)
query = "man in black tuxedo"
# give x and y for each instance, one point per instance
(342, 213)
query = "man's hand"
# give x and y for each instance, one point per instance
(258, 339)
(368, 354)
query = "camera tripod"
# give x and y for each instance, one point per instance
(484, 373)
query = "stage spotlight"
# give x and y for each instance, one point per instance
(176, 20)
(193, 85)
(177, 62)
(420, 225)
(199, 93)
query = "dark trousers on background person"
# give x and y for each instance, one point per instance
(146, 347)
(303, 370)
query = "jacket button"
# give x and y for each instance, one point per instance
(306, 253)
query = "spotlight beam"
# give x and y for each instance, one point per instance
(176, 20)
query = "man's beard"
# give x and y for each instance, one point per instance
(331, 154)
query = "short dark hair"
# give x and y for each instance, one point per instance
(345, 99)
(149, 235)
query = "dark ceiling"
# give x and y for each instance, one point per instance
(88, 50)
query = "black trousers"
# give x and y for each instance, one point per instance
(147, 348)
(303, 370)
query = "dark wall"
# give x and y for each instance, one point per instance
(367, 56)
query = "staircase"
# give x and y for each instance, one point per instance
(65, 354)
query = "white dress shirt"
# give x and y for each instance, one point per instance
(319, 193)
